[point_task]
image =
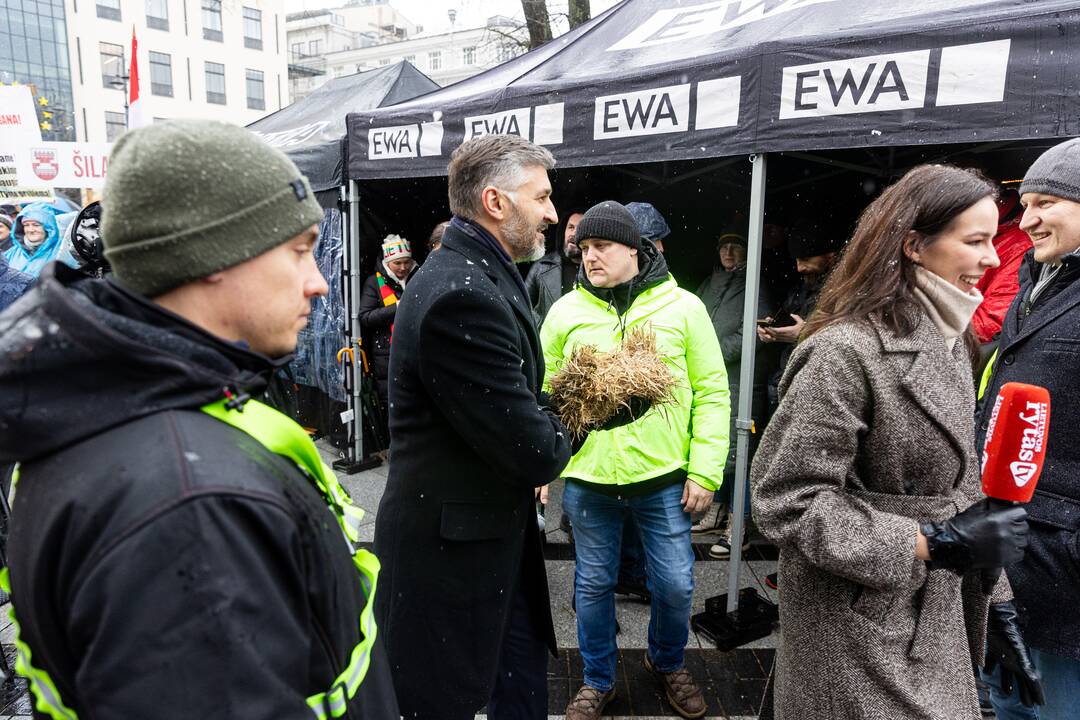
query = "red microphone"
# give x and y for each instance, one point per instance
(1015, 448)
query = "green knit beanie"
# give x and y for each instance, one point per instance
(187, 198)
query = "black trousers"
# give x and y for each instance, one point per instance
(520, 691)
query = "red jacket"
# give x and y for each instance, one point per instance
(1000, 285)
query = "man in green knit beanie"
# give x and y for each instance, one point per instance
(177, 549)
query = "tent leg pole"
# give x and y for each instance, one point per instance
(353, 243)
(745, 422)
(747, 617)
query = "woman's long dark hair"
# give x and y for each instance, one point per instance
(874, 277)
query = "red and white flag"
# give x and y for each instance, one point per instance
(135, 114)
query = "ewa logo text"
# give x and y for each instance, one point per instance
(648, 112)
(686, 23)
(542, 124)
(967, 74)
(405, 141)
(667, 109)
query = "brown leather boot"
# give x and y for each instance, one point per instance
(588, 704)
(682, 692)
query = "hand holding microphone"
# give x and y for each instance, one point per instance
(982, 536)
(992, 533)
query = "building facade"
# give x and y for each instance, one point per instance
(315, 34)
(216, 59)
(444, 57)
(34, 52)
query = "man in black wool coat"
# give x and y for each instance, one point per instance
(463, 600)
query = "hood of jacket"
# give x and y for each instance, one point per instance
(653, 270)
(79, 356)
(31, 262)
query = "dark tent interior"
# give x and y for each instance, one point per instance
(826, 190)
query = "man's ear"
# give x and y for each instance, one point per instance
(495, 203)
(911, 244)
(214, 278)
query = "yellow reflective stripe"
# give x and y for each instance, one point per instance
(988, 372)
(282, 436)
(346, 684)
(46, 695)
(279, 434)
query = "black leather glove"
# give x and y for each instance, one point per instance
(627, 413)
(624, 416)
(1005, 647)
(983, 536)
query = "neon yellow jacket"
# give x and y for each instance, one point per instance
(692, 433)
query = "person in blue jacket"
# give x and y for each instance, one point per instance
(37, 240)
(12, 284)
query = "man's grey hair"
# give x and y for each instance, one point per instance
(496, 160)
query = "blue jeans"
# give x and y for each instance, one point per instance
(632, 562)
(598, 532)
(1061, 683)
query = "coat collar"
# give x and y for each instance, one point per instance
(495, 268)
(1045, 313)
(934, 379)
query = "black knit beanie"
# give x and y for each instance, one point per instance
(609, 221)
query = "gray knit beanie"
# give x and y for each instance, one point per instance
(1056, 172)
(609, 221)
(187, 198)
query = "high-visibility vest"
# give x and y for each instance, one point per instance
(988, 372)
(279, 434)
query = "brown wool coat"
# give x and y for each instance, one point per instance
(874, 434)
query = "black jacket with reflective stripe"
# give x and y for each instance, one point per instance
(164, 564)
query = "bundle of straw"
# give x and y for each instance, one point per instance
(591, 386)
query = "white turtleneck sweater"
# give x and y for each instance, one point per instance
(949, 307)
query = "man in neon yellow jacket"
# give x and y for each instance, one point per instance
(659, 468)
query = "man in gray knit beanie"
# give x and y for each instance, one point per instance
(1038, 345)
(192, 532)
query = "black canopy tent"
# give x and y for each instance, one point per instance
(663, 81)
(312, 133)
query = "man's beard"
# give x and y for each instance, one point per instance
(521, 237)
(573, 252)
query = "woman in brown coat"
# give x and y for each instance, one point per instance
(867, 476)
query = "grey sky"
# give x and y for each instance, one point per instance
(433, 16)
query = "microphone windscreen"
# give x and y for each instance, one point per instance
(1015, 446)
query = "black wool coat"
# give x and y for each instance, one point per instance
(456, 528)
(1040, 345)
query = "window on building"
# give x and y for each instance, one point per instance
(160, 74)
(411, 59)
(157, 14)
(468, 56)
(211, 20)
(435, 60)
(112, 65)
(108, 9)
(297, 50)
(253, 28)
(384, 62)
(215, 83)
(256, 91)
(115, 125)
(314, 47)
